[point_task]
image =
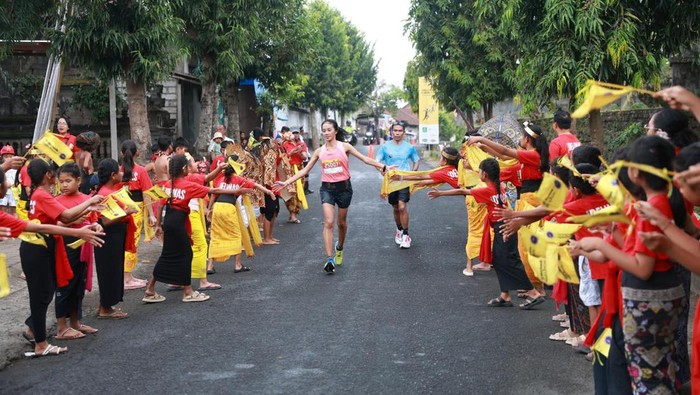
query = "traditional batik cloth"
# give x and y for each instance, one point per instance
(225, 234)
(650, 322)
(579, 319)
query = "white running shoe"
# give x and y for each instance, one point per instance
(406, 241)
(398, 238)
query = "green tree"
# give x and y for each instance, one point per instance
(464, 75)
(133, 40)
(359, 71)
(560, 44)
(24, 20)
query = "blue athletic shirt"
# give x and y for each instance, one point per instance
(399, 155)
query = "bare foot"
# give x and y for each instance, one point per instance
(86, 329)
(270, 242)
(481, 266)
(134, 285)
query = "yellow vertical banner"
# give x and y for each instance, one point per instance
(4, 280)
(428, 113)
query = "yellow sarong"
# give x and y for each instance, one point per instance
(225, 235)
(476, 213)
(131, 258)
(199, 244)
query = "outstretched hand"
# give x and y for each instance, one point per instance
(434, 194)
(655, 241)
(678, 98)
(278, 186)
(90, 233)
(511, 227)
(5, 233)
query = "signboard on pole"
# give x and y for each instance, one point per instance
(428, 114)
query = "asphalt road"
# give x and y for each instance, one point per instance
(389, 321)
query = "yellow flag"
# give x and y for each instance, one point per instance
(599, 95)
(610, 188)
(389, 185)
(156, 193)
(76, 244)
(606, 215)
(238, 168)
(252, 221)
(54, 148)
(300, 191)
(602, 345)
(112, 210)
(552, 192)
(4, 280)
(476, 155)
(534, 241)
(124, 197)
(559, 233)
(565, 161)
(565, 265)
(467, 178)
(544, 269)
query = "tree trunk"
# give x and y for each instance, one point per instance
(488, 110)
(342, 119)
(466, 117)
(376, 127)
(229, 96)
(595, 121)
(313, 126)
(208, 101)
(268, 125)
(138, 118)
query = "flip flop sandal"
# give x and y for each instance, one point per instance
(243, 269)
(195, 296)
(210, 287)
(88, 330)
(531, 302)
(115, 315)
(75, 334)
(155, 298)
(212, 271)
(500, 302)
(561, 336)
(50, 350)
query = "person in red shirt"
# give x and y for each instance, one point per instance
(504, 253)
(63, 129)
(295, 152)
(652, 291)
(565, 142)
(46, 266)
(69, 299)
(119, 238)
(174, 266)
(445, 174)
(533, 161)
(136, 178)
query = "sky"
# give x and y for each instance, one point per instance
(382, 22)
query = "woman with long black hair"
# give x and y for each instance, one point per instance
(335, 187)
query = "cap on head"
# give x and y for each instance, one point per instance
(7, 150)
(218, 135)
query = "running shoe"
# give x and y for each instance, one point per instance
(398, 238)
(406, 242)
(329, 267)
(338, 255)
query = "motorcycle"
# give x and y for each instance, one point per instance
(368, 138)
(350, 137)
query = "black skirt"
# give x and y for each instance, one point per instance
(39, 265)
(175, 263)
(70, 297)
(109, 264)
(506, 261)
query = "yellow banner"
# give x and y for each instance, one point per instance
(428, 106)
(475, 155)
(4, 280)
(112, 210)
(606, 215)
(252, 221)
(552, 192)
(467, 178)
(610, 188)
(124, 197)
(534, 240)
(54, 148)
(565, 265)
(156, 193)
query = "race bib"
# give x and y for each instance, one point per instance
(332, 166)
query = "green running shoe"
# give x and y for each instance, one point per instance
(338, 255)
